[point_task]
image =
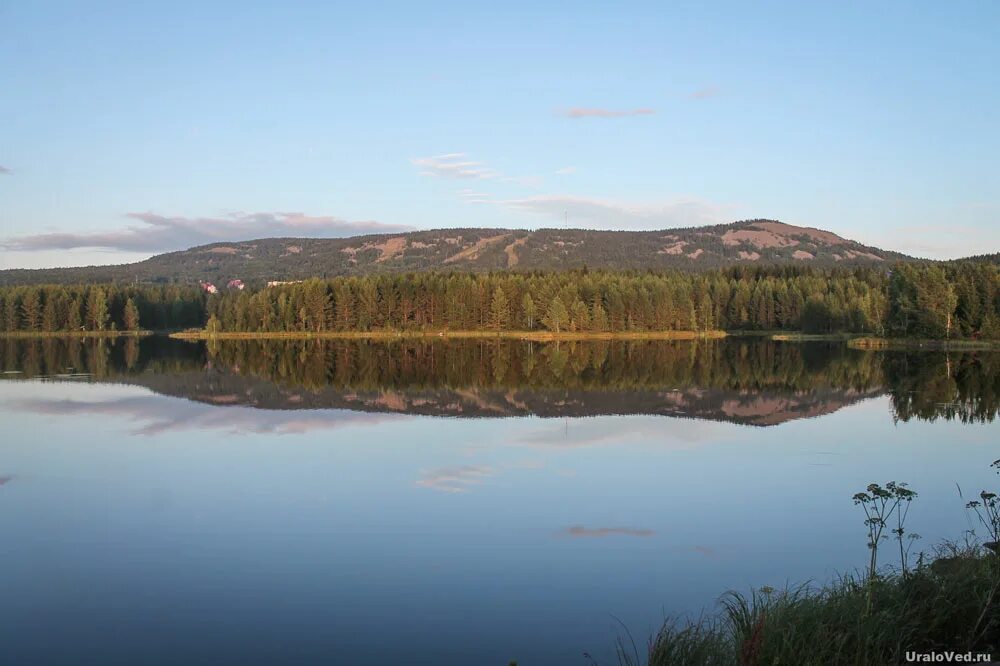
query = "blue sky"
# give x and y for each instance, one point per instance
(127, 130)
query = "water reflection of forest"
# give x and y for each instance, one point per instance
(753, 381)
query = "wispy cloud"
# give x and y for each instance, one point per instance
(454, 479)
(602, 213)
(589, 112)
(459, 166)
(579, 211)
(581, 532)
(152, 232)
(454, 165)
(705, 93)
(473, 196)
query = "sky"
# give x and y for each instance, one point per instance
(130, 129)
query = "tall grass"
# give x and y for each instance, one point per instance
(948, 602)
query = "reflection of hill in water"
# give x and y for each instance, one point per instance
(747, 381)
(746, 407)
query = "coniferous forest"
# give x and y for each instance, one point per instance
(960, 301)
(102, 307)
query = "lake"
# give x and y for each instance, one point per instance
(449, 502)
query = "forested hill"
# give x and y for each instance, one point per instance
(980, 259)
(275, 259)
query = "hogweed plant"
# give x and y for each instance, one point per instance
(988, 512)
(881, 505)
(904, 496)
(987, 509)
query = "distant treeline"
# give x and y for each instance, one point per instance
(564, 301)
(911, 300)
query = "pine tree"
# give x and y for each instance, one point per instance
(598, 317)
(317, 305)
(31, 311)
(499, 310)
(556, 317)
(10, 310)
(214, 325)
(580, 316)
(97, 309)
(936, 301)
(816, 316)
(528, 311)
(50, 313)
(73, 319)
(343, 308)
(130, 316)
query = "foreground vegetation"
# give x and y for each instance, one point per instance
(948, 602)
(953, 302)
(948, 605)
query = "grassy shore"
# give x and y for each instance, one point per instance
(74, 334)
(919, 344)
(440, 334)
(811, 337)
(949, 603)
(873, 343)
(793, 336)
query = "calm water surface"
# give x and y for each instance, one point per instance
(450, 503)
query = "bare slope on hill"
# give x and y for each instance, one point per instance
(747, 242)
(767, 406)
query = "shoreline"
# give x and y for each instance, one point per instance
(810, 337)
(541, 336)
(920, 344)
(862, 343)
(75, 334)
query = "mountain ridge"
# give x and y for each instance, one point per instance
(758, 241)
